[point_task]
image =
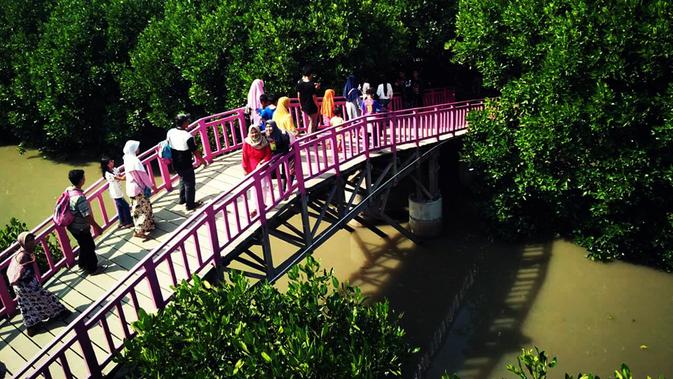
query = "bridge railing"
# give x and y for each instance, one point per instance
(216, 135)
(199, 243)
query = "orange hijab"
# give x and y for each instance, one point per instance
(328, 104)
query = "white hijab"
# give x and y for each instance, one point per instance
(131, 161)
(256, 90)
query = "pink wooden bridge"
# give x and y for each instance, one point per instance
(214, 235)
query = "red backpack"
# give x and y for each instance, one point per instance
(63, 215)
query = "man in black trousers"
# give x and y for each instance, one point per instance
(183, 147)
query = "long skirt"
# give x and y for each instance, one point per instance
(143, 217)
(36, 303)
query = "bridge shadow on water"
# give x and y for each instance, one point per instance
(423, 282)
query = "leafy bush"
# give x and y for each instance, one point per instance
(318, 328)
(579, 142)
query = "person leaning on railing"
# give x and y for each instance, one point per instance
(36, 303)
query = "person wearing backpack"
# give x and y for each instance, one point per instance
(82, 224)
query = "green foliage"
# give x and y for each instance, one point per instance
(202, 57)
(318, 328)
(535, 362)
(86, 74)
(579, 142)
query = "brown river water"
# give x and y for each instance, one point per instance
(593, 316)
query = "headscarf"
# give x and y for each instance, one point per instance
(23, 236)
(131, 161)
(328, 104)
(258, 143)
(281, 139)
(256, 90)
(282, 116)
(351, 84)
(16, 268)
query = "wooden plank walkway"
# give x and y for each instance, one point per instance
(121, 253)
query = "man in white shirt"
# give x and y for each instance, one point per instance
(385, 94)
(183, 147)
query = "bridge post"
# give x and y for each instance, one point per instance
(66, 247)
(214, 240)
(153, 283)
(165, 174)
(207, 151)
(266, 251)
(87, 350)
(6, 298)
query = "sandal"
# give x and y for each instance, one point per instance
(145, 236)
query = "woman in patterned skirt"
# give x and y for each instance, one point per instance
(37, 305)
(139, 189)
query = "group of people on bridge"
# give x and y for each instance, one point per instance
(271, 131)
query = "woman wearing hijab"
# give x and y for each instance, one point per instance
(139, 189)
(279, 142)
(327, 109)
(254, 104)
(352, 95)
(255, 149)
(283, 118)
(36, 303)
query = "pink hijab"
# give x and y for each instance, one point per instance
(256, 89)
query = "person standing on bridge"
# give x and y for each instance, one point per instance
(183, 147)
(254, 102)
(279, 142)
(82, 224)
(283, 118)
(256, 150)
(35, 303)
(327, 108)
(139, 189)
(307, 92)
(352, 95)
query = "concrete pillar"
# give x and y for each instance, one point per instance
(425, 217)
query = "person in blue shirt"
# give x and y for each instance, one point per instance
(268, 107)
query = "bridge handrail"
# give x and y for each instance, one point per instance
(227, 131)
(414, 126)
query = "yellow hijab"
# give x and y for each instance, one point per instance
(282, 116)
(328, 104)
